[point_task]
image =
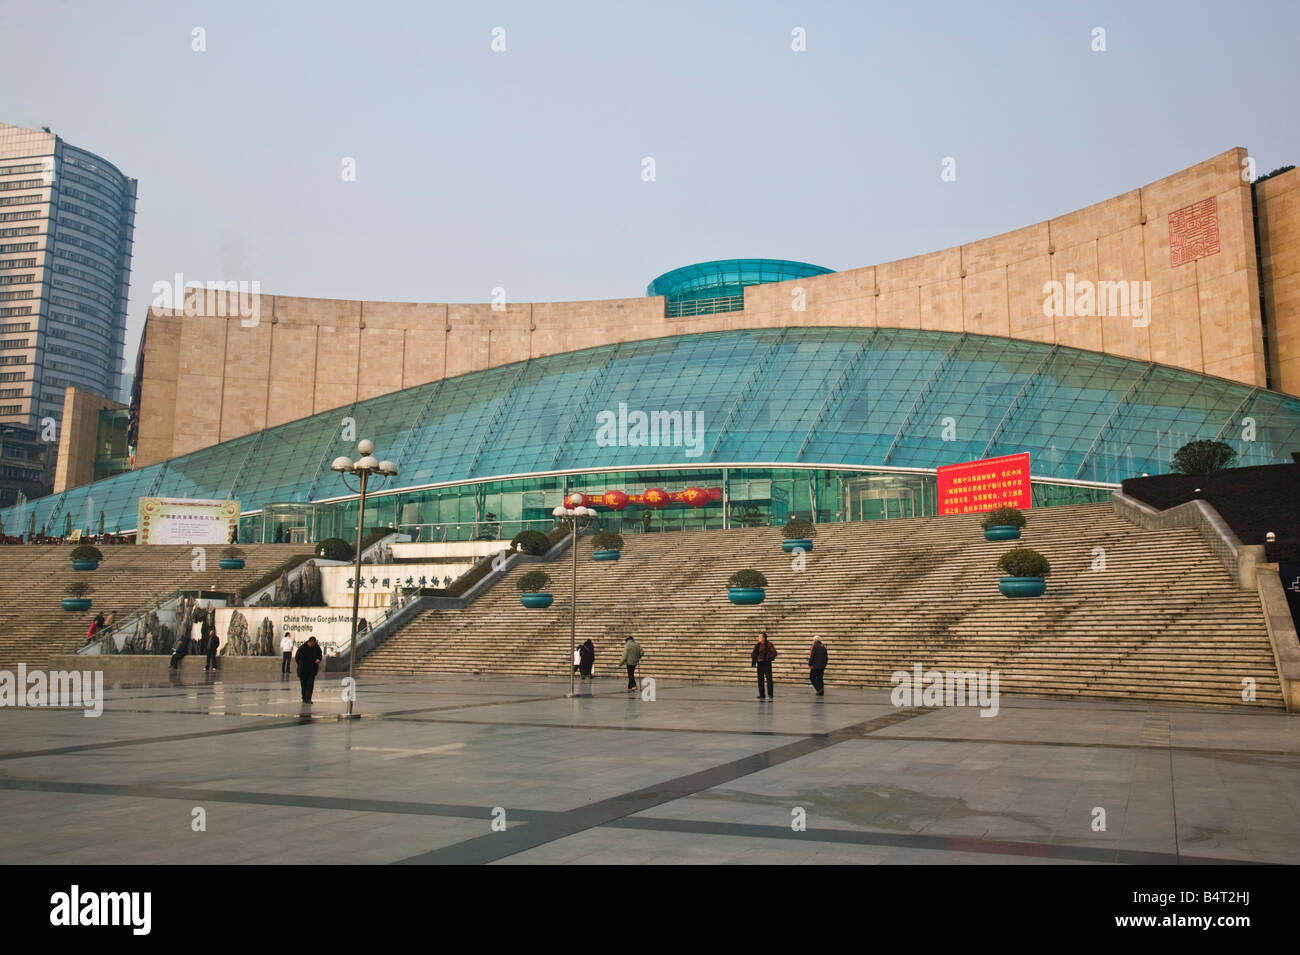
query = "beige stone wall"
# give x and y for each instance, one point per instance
(1279, 251)
(77, 434)
(211, 379)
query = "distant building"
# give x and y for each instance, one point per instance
(67, 219)
(26, 463)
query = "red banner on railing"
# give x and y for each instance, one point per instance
(979, 486)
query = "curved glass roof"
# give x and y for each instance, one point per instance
(855, 397)
(725, 277)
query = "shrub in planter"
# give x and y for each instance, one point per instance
(746, 587)
(1025, 570)
(532, 587)
(530, 542)
(1003, 524)
(798, 533)
(1003, 517)
(1202, 457)
(335, 548)
(232, 558)
(77, 596)
(607, 544)
(85, 557)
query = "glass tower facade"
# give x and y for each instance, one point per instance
(827, 423)
(67, 222)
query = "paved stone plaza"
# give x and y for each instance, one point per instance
(701, 774)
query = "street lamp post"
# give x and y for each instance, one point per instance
(362, 469)
(573, 514)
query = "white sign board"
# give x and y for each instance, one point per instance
(167, 520)
(331, 626)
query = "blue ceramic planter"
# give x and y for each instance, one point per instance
(801, 542)
(536, 601)
(1002, 532)
(1022, 586)
(85, 564)
(746, 595)
(231, 563)
(75, 603)
(605, 555)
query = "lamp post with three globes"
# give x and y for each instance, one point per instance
(361, 469)
(573, 514)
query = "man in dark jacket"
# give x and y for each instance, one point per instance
(309, 657)
(817, 665)
(761, 657)
(587, 659)
(182, 648)
(211, 642)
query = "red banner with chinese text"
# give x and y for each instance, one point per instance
(979, 486)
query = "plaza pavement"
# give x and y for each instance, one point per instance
(701, 774)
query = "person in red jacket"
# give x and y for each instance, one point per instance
(761, 657)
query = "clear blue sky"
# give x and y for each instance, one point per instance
(522, 169)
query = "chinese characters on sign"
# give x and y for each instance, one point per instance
(979, 486)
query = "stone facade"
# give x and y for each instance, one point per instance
(76, 465)
(1278, 200)
(208, 379)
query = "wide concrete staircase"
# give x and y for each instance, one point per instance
(32, 577)
(1162, 621)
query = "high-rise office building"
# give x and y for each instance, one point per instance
(67, 218)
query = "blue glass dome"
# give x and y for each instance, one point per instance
(719, 286)
(818, 397)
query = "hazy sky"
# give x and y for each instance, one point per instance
(523, 169)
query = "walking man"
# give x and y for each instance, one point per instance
(817, 665)
(632, 654)
(762, 656)
(286, 651)
(588, 658)
(309, 657)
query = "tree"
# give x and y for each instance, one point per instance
(101, 524)
(1202, 457)
(67, 525)
(31, 525)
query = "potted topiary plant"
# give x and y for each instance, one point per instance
(76, 598)
(85, 557)
(335, 548)
(1026, 569)
(1003, 524)
(797, 533)
(530, 542)
(746, 587)
(232, 558)
(532, 587)
(608, 546)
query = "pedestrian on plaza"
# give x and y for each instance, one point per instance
(817, 665)
(632, 654)
(286, 650)
(309, 657)
(577, 659)
(761, 658)
(211, 642)
(587, 658)
(178, 654)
